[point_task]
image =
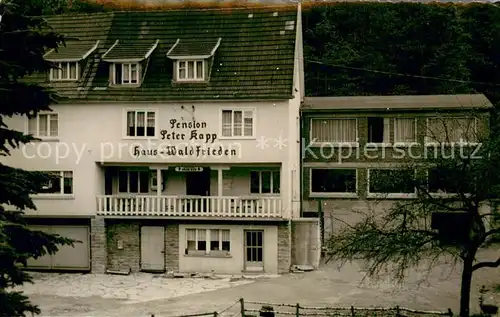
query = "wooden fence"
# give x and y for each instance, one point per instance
(263, 309)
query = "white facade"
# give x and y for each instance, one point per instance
(209, 160)
(88, 139)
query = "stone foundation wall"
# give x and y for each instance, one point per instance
(284, 248)
(98, 248)
(172, 247)
(124, 246)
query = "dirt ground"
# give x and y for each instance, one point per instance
(327, 286)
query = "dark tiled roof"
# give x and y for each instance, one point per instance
(405, 102)
(129, 51)
(194, 48)
(73, 50)
(255, 58)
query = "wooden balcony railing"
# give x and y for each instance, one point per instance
(190, 206)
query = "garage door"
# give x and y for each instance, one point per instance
(68, 257)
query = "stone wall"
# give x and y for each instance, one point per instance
(127, 255)
(172, 247)
(98, 247)
(284, 247)
(127, 233)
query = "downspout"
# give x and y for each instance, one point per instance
(301, 162)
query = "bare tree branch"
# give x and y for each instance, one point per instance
(481, 265)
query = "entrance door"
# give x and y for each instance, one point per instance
(198, 183)
(254, 250)
(153, 248)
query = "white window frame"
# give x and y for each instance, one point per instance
(136, 110)
(335, 195)
(429, 142)
(315, 143)
(241, 137)
(208, 237)
(37, 118)
(260, 182)
(440, 195)
(396, 143)
(128, 182)
(61, 185)
(195, 70)
(56, 73)
(130, 83)
(386, 124)
(388, 195)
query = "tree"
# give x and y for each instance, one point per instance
(23, 41)
(50, 7)
(452, 214)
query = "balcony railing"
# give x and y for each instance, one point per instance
(190, 206)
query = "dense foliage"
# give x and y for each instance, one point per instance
(457, 42)
(22, 45)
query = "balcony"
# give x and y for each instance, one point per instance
(190, 206)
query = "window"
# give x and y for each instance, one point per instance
(378, 130)
(386, 181)
(190, 70)
(334, 130)
(133, 182)
(329, 181)
(141, 123)
(447, 181)
(126, 74)
(44, 125)
(218, 241)
(62, 184)
(451, 130)
(64, 71)
(265, 182)
(405, 130)
(237, 123)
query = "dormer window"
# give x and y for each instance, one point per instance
(190, 70)
(126, 73)
(128, 62)
(192, 59)
(65, 71)
(69, 60)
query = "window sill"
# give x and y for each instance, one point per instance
(405, 144)
(45, 139)
(53, 197)
(446, 195)
(391, 196)
(125, 86)
(55, 81)
(377, 145)
(237, 138)
(333, 195)
(217, 256)
(451, 144)
(142, 138)
(190, 81)
(334, 144)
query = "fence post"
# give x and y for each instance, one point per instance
(215, 314)
(397, 311)
(352, 311)
(450, 312)
(297, 310)
(242, 307)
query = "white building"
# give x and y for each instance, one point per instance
(178, 143)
